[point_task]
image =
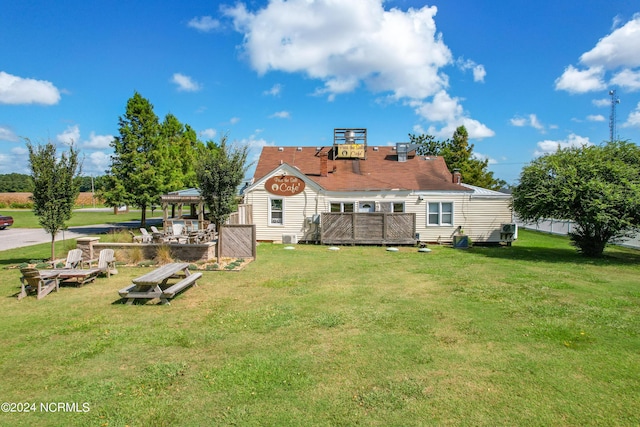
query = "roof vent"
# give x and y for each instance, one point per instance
(403, 149)
(280, 148)
(375, 148)
(299, 149)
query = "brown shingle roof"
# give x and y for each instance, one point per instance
(379, 171)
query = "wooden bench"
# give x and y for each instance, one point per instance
(152, 285)
(171, 291)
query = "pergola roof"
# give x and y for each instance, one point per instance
(188, 196)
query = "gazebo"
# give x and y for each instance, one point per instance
(190, 197)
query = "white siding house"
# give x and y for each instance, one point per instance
(294, 186)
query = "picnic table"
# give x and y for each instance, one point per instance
(154, 284)
(77, 275)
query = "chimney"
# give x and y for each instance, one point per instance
(324, 164)
(456, 177)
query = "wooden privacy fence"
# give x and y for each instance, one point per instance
(378, 228)
(237, 241)
(244, 215)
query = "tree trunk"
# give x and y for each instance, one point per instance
(218, 230)
(53, 247)
(143, 218)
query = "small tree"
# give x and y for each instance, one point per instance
(220, 170)
(56, 185)
(597, 187)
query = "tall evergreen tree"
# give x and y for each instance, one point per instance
(458, 154)
(139, 163)
(180, 142)
(56, 185)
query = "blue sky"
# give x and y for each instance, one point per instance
(523, 77)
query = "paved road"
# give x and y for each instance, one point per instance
(11, 238)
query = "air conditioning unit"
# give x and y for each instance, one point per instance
(509, 228)
(508, 233)
(289, 239)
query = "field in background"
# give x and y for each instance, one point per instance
(532, 334)
(21, 200)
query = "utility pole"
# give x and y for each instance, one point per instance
(612, 117)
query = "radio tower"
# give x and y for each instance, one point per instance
(612, 118)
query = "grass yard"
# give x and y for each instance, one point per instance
(528, 335)
(25, 218)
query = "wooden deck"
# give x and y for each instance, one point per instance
(377, 228)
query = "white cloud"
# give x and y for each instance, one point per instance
(627, 79)
(274, 91)
(208, 133)
(479, 72)
(483, 157)
(255, 145)
(619, 49)
(350, 44)
(601, 102)
(549, 146)
(234, 120)
(185, 83)
(634, 118)
(18, 90)
(530, 120)
(7, 134)
(448, 110)
(581, 81)
(70, 135)
(204, 24)
(596, 118)
(99, 162)
(19, 151)
(98, 142)
(280, 115)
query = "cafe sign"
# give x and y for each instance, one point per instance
(284, 185)
(351, 151)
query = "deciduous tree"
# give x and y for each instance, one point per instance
(597, 187)
(56, 185)
(220, 170)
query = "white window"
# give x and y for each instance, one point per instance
(276, 212)
(440, 213)
(341, 206)
(391, 207)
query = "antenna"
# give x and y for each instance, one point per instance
(612, 117)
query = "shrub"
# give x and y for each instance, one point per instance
(163, 254)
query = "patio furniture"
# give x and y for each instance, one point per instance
(154, 284)
(33, 282)
(106, 262)
(75, 276)
(146, 237)
(177, 235)
(73, 260)
(134, 238)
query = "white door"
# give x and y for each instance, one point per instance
(366, 207)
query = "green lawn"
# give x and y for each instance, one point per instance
(528, 335)
(25, 218)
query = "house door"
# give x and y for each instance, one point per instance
(366, 207)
